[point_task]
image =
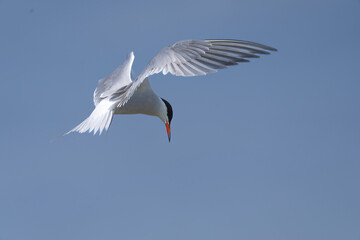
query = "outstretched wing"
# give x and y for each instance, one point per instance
(119, 78)
(194, 58)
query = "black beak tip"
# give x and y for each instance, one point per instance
(169, 137)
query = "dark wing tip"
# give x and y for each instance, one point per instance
(234, 41)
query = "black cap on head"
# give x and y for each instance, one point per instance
(169, 110)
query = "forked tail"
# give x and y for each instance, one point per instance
(98, 120)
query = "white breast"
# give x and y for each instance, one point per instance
(144, 101)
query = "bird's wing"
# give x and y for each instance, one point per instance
(194, 58)
(119, 78)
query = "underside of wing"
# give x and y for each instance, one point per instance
(200, 57)
(194, 58)
(119, 78)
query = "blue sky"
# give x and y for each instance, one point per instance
(265, 150)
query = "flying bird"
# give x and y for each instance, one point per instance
(119, 94)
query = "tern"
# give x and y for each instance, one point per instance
(119, 94)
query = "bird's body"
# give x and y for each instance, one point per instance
(119, 94)
(144, 101)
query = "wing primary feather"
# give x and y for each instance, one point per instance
(191, 53)
(203, 45)
(236, 51)
(240, 43)
(166, 69)
(197, 50)
(194, 69)
(182, 57)
(172, 69)
(178, 71)
(249, 52)
(219, 60)
(226, 56)
(185, 70)
(202, 66)
(212, 64)
(249, 48)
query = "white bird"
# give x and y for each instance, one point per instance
(118, 94)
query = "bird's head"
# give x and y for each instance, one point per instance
(167, 119)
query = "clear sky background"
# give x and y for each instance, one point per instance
(264, 150)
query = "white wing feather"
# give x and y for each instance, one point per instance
(119, 78)
(99, 120)
(193, 58)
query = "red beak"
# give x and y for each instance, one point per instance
(168, 130)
